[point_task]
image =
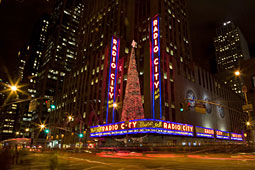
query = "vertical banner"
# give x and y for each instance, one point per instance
(112, 79)
(155, 69)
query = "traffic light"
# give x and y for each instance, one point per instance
(52, 106)
(47, 131)
(181, 107)
(47, 102)
(81, 135)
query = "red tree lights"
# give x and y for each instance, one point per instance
(132, 107)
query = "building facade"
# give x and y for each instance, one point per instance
(168, 77)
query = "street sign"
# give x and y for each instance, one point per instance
(200, 108)
(247, 107)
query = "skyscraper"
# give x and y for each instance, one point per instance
(230, 48)
(60, 51)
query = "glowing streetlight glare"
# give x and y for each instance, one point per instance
(237, 73)
(248, 123)
(42, 126)
(115, 105)
(13, 88)
(70, 118)
(27, 129)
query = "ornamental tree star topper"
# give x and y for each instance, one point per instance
(133, 44)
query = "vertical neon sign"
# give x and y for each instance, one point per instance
(111, 94)
(155, 68)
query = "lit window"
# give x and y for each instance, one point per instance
(126, 50)
(172, 52)
(171, 66)
(165, 76)
(167, 49)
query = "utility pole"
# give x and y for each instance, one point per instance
(250, 123)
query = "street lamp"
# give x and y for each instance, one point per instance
(13, 88)
(237, 73)
(248, 123)
(115, 105)
(70, 118)
(42, 126)
(27, 129)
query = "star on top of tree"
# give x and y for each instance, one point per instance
(133, 44)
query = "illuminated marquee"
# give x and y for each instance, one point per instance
(142, 126)
(204, 132)
(155, 68)
(222, 134)
(235, 136)
(112, 75)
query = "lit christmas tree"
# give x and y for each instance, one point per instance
(132, 106)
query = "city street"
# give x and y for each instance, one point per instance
(123, 161)
(127, 85)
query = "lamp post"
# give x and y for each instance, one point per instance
(13, 88)
(249, 123)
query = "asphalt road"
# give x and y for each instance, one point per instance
(106, 161)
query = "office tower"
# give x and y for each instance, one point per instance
(60, 52)
(230, 48)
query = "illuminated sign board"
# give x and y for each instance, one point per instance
(222, 134)
(204, 132)
(155, 68)
(115, 45)
(142, 126)
(235, 136)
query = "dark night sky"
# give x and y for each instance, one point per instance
(17, 18)
(206, 15)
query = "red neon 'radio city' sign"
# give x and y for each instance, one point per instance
(155, 51)
(155, 68)
(180, 127)
(113, 66)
